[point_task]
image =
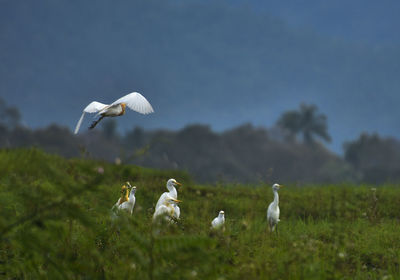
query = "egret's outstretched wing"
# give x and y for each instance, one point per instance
(78, 125)
(136, 102)
(93, 107)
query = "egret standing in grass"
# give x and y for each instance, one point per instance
(130, 203)
(134, 101)
(219, 221)
(127, 200)
(273, 208)
(171, 183)
(167, 210)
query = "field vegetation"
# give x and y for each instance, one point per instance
(55, 224)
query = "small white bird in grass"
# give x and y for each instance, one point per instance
(171, 183)
(134, 101)
(273, 208)
(219, 221)
(167, 210)
(130, 203)
(127, 200)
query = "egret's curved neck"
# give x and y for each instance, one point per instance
(132, 194)
(276, 198)
(220, 216)
(172, 191)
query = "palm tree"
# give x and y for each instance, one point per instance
(307, 121)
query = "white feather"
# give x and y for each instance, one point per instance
(95, 107)
(78, 125)
(136, 102)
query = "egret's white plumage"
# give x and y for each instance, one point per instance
(177, 211)
(134, 101)
(273, 208)
(167, 210)
(171, 183)
(219, 221)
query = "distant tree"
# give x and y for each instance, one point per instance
(9, 116)
(376, 158)
(307, 122)
(135, 138)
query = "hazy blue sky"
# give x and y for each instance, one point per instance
(217, 62)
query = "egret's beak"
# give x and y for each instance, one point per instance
(177, 200)
(281, 186)
(177, 183)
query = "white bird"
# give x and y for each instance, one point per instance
(130, 203)
(134, 101)
(219, 221)
(167, 210)
(171, 183)
(127, 200)
(273, 208)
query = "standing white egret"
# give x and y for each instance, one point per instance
(130, 203)
(124, 197)
(219, 221)
(273, 208)
(127, 200)
(134, 101)
(167, 209)
(171, 183)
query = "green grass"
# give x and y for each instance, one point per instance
(55, 224)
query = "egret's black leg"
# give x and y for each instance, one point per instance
(96, 122)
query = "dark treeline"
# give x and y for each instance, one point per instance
(290, 152)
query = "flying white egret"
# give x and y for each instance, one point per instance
(171, 183)
(219, 221)
(273, 208)
(167, 209)
(134, 101)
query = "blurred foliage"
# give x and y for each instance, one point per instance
(10, 116)
(245, 154)
(56, 224)
(377, 159)
(242, 154)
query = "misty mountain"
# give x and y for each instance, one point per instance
(200, 62)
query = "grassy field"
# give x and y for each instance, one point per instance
(55, 224)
